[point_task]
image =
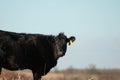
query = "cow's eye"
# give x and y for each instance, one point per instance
(62, 41)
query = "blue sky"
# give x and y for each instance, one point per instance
(95, 23)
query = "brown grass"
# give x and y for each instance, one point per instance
(16, 75)
(68, 74)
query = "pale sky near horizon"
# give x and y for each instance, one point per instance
(95, 23)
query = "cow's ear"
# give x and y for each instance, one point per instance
(71, 40)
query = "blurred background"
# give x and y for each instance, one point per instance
(95, 23)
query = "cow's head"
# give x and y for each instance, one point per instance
(61, 44)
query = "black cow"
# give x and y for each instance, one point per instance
(37, 52)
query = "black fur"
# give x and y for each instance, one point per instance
(31, 51)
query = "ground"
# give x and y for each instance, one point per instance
(68, 74)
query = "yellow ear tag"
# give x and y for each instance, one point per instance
(70, 42)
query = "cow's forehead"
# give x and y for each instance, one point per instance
(62, 35)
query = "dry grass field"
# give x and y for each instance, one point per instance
(68, 74)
